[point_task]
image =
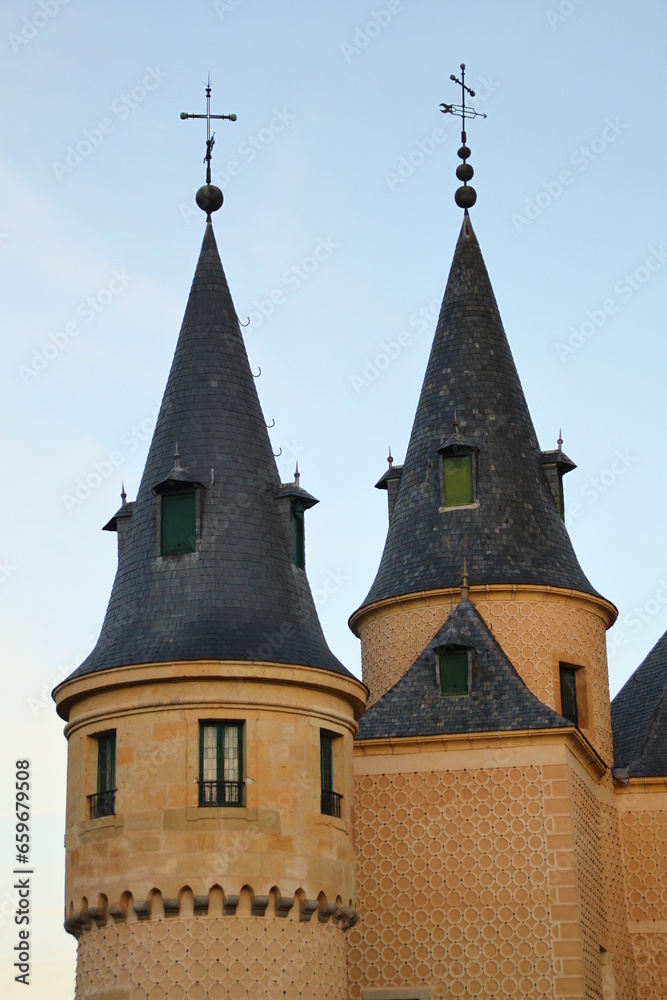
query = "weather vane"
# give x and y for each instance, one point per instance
(209, 197)
(465, 197)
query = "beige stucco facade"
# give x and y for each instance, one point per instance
(480, 865)
(274, 870)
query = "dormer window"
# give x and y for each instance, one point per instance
(179, 511)
(458, 471)
(178, 523)
(457, 480)
(454, 664)
(293, 502)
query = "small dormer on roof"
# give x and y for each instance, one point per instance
(390, 481)
(179, 479)
(120, 522)
(482, 691)
(556, 464)
(293, 502)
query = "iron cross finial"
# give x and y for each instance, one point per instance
(210, 139)
(209, 197)
(465, 196)
(460, 110)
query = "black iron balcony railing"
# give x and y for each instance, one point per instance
(221, 793)
(102, 804)
(331, 803)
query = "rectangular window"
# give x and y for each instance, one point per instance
(177, 523)
(457, 480)
(330, 800)
(103, 802)
(568, 694)
(454, 669)
(221, 764)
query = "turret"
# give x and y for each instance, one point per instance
(210, 729)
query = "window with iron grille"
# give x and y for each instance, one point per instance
(103, 802)
(330, 800)
(221, 764)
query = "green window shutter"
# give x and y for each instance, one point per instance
(326, 762)
(298, 535)
(568, 694)
(178, 524)
(106, 763)
(457, 480)
(454, 672)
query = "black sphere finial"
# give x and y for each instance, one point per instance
(466, 196)
(209, 197)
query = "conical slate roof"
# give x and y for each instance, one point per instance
(239, 597)
(516, 534)
(639, 718)
(498, 698)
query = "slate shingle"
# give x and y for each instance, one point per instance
(498, 700)
(639, 718)
(240, 596)
(516, 534)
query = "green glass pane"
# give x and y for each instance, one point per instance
(454, 672)
(178, 524)
(457, 473)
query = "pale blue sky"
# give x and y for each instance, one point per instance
(331, 99)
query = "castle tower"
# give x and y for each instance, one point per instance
(489, 847)
(208, 840)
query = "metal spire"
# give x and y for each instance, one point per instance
(209, 197)
(465, 196)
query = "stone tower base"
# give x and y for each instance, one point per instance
(240, 958)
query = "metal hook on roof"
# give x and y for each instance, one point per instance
(259, 372)
(279, 453)
(247, 322)
(271, 425)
